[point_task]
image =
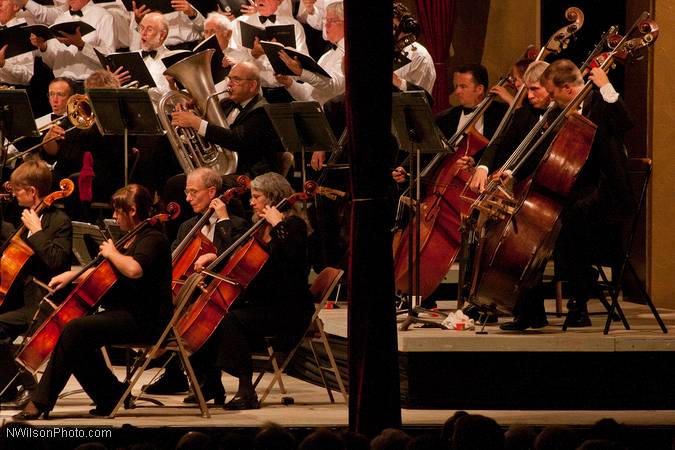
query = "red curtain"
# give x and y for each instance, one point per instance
(437, 19)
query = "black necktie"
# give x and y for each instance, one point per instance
(466, 110)
(272, 18)
(151, 53)
(75, 13)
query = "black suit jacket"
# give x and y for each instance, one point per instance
(227, 231)
(252, 136)
(52, 246)
(447, 120)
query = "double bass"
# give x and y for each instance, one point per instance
(15, 252)
(247, 256)
(84, 297)
(519, 232)
(443, 206)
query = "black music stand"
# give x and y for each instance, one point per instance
(14, 104)
(124, 112)
(416, 133)
(302, 127)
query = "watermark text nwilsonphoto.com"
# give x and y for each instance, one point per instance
(56, 433)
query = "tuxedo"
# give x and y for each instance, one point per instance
(251, 135)
(225, 233)
(448, 120)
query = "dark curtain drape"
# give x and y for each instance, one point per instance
(437, 19)
(374, 389)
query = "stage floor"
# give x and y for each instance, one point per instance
(312, 408)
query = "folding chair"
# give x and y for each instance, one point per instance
(168, 341)
(321, 289)
(639, 172)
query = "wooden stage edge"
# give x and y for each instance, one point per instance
(312, 409)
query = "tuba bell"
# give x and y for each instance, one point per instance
(191, 149)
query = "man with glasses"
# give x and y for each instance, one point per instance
(201, 191)
(250, 132)
(314, 86)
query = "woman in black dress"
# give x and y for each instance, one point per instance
(137, 308)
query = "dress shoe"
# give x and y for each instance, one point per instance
(215, 393)
(168, 383)
(523, 323)
(20, 401)
(31, 412)
(476, 313)
(106, 410)
(578, 319)
(240, 402)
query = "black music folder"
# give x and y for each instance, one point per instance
(272, 50)
(16, 114)
(163, 6)
(400, 60)
(16, 39)
(131, 61)
(284, 34)
(301, 126)
(234, 6)
(217, 70)
(119, 109)
(52, 32)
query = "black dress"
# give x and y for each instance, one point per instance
(136, 310)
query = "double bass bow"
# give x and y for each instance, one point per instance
(519, 232)
(83, 298)
(247, 255)
(15, 252)
(195, 244)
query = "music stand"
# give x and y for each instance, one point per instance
(124, 112)
(14, 104)
(302, 127)
(416, 133)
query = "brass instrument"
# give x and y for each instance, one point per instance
(79, 113)
(190, 148)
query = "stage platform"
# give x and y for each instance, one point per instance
(535, 378)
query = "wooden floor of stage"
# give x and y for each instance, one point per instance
(312, 408)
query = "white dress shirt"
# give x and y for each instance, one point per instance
(320, 88)
(420, 70)
(17, 69)
(68, 61)
(156, 68)
(181, 29)
(121, 19)
(35, 13)
(241, 53)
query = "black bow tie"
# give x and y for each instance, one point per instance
(151, 53)
(332, 46)
(75, 13)
(2, 27)
(55, 116)
(236, 106)
(466, 110)
(272, 18)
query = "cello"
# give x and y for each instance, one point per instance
(246, 256)
(444, 205)
(15, 252)
(84, 297)
(519, 232)
(195, 244)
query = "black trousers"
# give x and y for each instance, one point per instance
(78, 352)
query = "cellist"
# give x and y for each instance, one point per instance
(277, 302)
(201, 191)
(50, 237)
(137, 308)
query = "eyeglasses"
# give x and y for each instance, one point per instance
(237, 80)
(57, 94)
(193, 192)
(332, 21)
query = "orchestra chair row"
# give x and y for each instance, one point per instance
(615, 257)
(276, 363)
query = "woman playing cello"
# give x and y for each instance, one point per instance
(49, 236)
(277, 302)
(137, 308)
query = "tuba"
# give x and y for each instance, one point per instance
(191, 149)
